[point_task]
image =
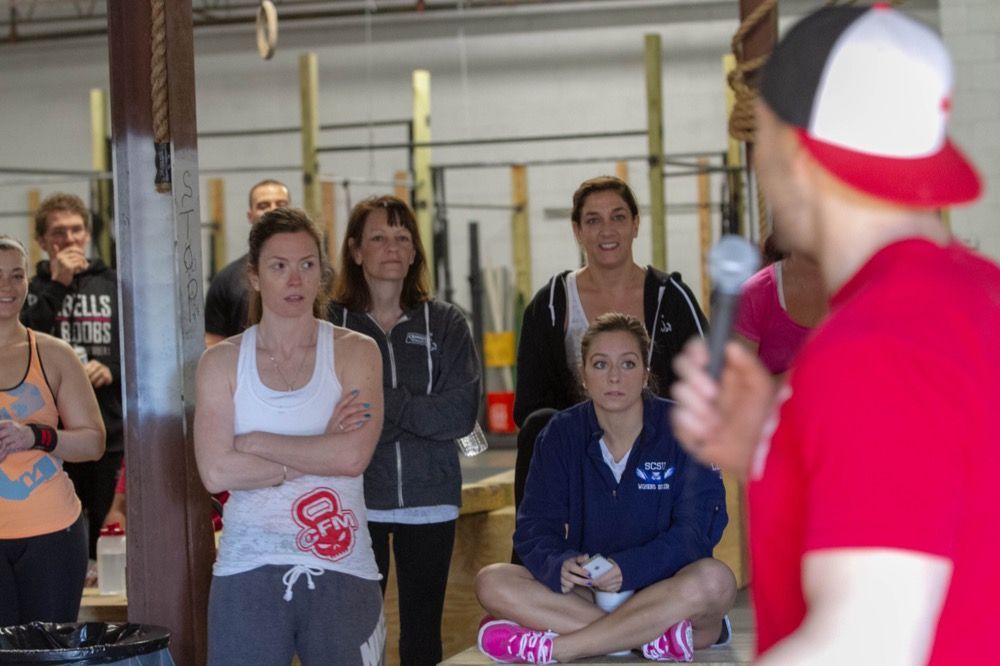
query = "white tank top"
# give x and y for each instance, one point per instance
(576, 326)
(312, 523)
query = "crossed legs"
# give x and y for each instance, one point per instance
(702, 592)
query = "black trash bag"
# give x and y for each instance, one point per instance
(83, 643)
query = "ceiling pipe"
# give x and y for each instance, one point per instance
(388, 12)
(326, 13)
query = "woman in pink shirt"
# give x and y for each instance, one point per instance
(781, 304)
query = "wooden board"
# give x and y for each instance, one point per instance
(482, 536)
(739, 650)
(96, 607)
(717, 656)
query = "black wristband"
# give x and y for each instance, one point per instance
(46, 437)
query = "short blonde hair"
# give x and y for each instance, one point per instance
(11, 243)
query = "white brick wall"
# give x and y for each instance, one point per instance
(971, 29)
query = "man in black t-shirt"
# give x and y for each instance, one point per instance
(226, 302)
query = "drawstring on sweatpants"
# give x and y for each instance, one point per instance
(293, 575)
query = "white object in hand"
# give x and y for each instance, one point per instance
(609, 601)
(597, 566)
(474, 443)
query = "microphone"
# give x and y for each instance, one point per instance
(730, 263)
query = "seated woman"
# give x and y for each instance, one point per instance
(608, 477)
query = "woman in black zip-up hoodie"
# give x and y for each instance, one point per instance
(413, 485)
(605, 220)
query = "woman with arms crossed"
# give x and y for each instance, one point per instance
(608, 477)
(48, 414)
(287, 418)
(413, 486)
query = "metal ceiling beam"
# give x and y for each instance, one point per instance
(47, 20)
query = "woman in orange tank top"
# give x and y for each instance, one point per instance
(48, 414)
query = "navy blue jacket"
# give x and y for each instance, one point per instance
(667, 511)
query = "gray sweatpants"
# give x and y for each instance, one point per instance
(339, 622)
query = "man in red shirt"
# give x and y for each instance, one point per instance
(873, 472)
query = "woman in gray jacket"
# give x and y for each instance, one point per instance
(413, 486)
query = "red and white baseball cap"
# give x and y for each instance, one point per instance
(869, 91)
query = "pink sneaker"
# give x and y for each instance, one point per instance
(509, 643)
(676, 644)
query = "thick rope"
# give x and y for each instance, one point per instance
(158, 81)
(763, 219)
(742, 123)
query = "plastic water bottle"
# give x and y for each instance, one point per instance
(474, 443)
(111, 560)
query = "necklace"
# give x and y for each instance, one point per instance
(290, 385)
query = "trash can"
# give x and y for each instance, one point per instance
(85, 643)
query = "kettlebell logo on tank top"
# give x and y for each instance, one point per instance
(327, 529)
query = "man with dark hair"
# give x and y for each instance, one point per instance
(227, 299)
(75, 298)
(873, 472)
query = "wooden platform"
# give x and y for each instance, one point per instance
(483, 536)
(726, 655)
(717, 656)
(739, 651)
(102, 608)
(97, 608)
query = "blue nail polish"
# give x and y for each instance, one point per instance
(366, 405)
(368, 416)
(355, 391)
